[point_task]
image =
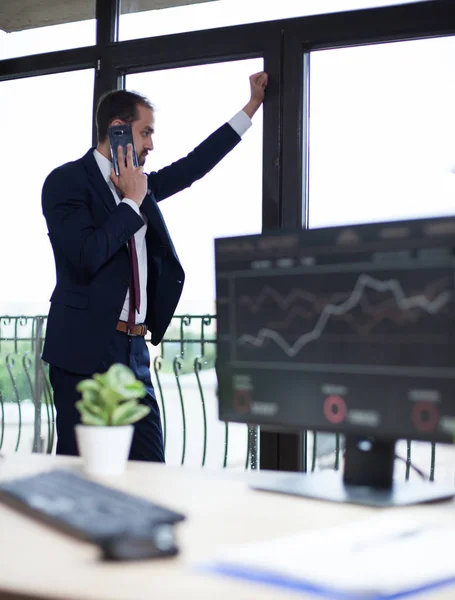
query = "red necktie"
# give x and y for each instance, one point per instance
(135, 292)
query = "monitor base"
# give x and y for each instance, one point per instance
(330, 486)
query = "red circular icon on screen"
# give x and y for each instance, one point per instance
(425, 416)
(242, 401)
(334, 409)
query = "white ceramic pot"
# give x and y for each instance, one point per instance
(104, 450)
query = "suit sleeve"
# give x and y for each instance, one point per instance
(65, 204)
(181, 174)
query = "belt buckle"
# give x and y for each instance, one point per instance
(130, 332)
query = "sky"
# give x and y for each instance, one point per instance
(382, 139)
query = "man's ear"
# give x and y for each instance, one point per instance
(116, 122)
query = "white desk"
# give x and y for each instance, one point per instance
(40, 563)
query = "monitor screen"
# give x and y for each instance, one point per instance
(344, 329)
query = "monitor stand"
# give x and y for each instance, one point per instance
(367, 479)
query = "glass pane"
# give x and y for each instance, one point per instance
(178, 16)
(227, 201)
(40, 135)
(382, 132)
(45, 27)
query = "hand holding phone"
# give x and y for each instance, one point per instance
(126, 175)
(119, 137)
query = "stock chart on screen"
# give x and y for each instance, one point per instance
(339, 327)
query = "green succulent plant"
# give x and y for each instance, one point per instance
(111, 398)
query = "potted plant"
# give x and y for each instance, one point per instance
(108, 407)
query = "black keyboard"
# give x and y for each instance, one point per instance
(85, 509)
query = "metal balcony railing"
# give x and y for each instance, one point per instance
(183, 375)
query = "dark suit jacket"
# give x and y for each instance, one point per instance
(89, 231)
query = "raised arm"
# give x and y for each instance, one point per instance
(184, 172)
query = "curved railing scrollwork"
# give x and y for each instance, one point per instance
(10, 366)
(177, 366)
(24, 385)
(157, 365)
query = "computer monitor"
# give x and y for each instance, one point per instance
(342, 329)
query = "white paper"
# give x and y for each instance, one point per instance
(385, 554)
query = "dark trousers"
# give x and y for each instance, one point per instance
(128, 350)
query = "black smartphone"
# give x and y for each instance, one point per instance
(121, 135)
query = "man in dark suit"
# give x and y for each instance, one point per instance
(118, 274)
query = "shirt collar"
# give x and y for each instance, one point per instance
(104, 165)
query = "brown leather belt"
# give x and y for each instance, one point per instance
(140, 330)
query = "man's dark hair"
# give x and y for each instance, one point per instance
(118, 104)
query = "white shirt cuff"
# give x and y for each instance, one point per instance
(240, 123)
(133, 205)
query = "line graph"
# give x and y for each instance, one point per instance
(301, 304)
(284, 301)
(302, 320)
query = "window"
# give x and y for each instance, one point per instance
(46, 125)
(176, 16)
(190, 104)
(382, 132)
(45, 27)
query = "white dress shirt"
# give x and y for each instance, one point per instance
(240, 123)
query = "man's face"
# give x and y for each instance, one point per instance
(143, 129)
